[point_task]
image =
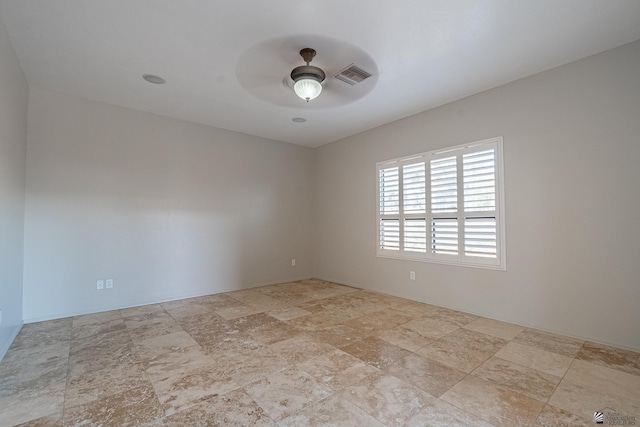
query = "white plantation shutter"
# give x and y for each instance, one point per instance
(415, 234)
(444, 206)
(389, 191)
(413, 185)
(389, 233)
(444, 236)
(480, 237)
(479, 174)
(444, 185)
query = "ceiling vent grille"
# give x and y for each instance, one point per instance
(352, 75)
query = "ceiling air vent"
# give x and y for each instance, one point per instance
(352, 75)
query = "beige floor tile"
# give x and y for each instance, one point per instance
(201, 305)
(46, 421)
(329, 292)
(388, 399)
(252, 366)
(321, 320)
(606, 380)
(101, 357)
(137, 406)
(299, 348)
(338, 335)
(32, 403)
(378, 321)
(143, 332)
(233, 409)
(187, 382)
(119, 337)
(311, 351)
(287, 392)
(556, 417)
(288, 294)
(273, 332)
(288, 313)
(528, 381)
(226, 345)
(175, 342)
(256, 299)
(37, 368)
(102, 383)
(426, 374)
(386, 300)
(611, 357)
(457, 318)
(139, 312)
(495, 328)
(492, 403)
(413, 308)
(431, 328)
(330, 412)
(203, 324)
(376, 352)
(42, 334)
(145, 315)
(252, 321)
(584, 401)
(338, 369)
(96, 318)
(404, 337)
(550, 342)
(230, 313)
(90, 331)
(348, 303)
(536, 358)
(442, 414)
(463, 349)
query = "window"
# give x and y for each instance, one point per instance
(444, 206)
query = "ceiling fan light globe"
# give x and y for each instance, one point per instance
(307, 89)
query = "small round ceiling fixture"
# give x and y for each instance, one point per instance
(307, 78)
(298, 120)
(156, 80)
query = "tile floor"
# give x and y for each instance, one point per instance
(307, 353)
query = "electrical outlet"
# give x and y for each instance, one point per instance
(412, 275)
(109, 284)
(100, 284)
(0, 317)
(293, 262)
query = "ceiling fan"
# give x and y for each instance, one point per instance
(341, 73)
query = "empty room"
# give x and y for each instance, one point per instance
(319, 213)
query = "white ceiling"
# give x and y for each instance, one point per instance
(427, 53)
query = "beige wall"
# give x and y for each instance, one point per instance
(571, 154)
(13, 143)
(165, 208)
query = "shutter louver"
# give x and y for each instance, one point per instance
(390, 234)
(444, 236)
(479, 176)
(444, 185)
(389, 191)
(415, 235)
(480, 237)
(413, 188)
